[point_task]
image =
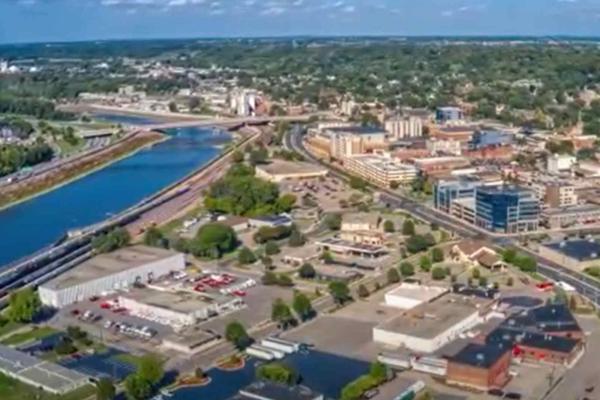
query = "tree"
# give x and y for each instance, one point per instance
(267, 233)
(237, 157)
(408, 227)
(213, 240)
(437, 255)
(393, 276)
(363, 292)
(510, 281)
(340, 292)
(269, 279)
(483, 281)
(23, 305)
(105, 389)
(173, 107)
(111, 241)
(438, 273)
(281, 313)
(407, 269)
(150, 369)
(378, 371)
(154, 237)
(357, 183)
(475, 273)
(246, 256)
(296, 238)
(302, 306)
(277, 372)
(272, 248)
(326, 257)
(307, 271)
(137, 388)
(425, 263)
(509, 255)
(285, 203)
(388, 226)
(333, 222)
(236, 334)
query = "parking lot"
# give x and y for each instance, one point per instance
(242, 299)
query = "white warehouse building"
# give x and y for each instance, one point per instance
(430, 326)
(108, 272)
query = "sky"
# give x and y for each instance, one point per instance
(77, 20)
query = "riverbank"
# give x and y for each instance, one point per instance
(155, 115)
(86, 166)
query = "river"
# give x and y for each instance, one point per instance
(36, 223)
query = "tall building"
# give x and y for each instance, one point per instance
(244, 102)
(380, 169)
(445, 115)
(560, 194)
(3, 66)
(352, 140)
(446, 192)
(507, 209)
(404, 127)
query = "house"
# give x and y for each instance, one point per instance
(478, 253)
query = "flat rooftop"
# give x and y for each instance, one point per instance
(179, 301)
(336, 243)
(417, 292)
(384, 163)
(282, 167)
(430, 319)
(46, 374)
(110, 263)
(272, 391)
(358, 130)
(577, 209)
(481, 355)
(579, 249)
(516, 337)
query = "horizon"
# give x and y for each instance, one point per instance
(61, 21)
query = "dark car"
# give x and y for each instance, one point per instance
(513, 396)
(496, 392)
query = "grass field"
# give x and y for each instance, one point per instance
(11, 389)
(34, 334)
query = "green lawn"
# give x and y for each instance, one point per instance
(7, 326)
(11, 389)
(34, 334)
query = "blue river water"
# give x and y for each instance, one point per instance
(323, 372)
(31, 225)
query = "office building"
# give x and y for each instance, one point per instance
(406, 296)
(507, 209)
(380, 169)
(489, 138)
(560, 194)
(353, 140)
(436, 146)
(445, 115)
(571, 216)
(109, 272)
(404, 127)
(446, 192)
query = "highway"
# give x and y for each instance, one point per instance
(586, 286)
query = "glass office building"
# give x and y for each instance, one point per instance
(507, 209)
(445, 192)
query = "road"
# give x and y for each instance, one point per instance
(586, 286)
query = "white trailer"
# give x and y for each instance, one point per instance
(280, 345)
(276, 353)
(258, 353)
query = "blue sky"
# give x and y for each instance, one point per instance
(69, 20)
